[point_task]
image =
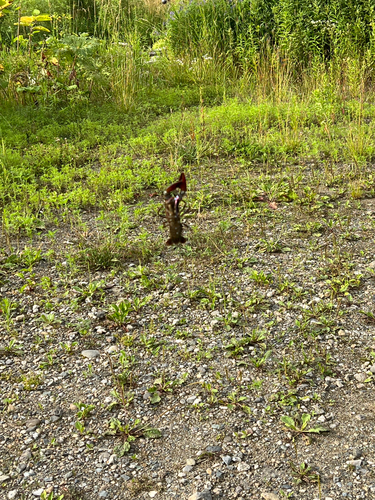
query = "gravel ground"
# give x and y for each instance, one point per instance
(195, 386)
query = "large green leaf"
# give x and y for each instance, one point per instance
(29, 20)
(288, 421)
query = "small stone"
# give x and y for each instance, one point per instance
(372, 368)
(354, 463)
(357, 453)
(32, 424)
(12, 494)
(26, 455)
(124, 477)
(360, 417)
(147, 395)
(242, 466)
(213, 449)
(319, 411)
(21, 468)
(68, 475)
(104, 457)
(103, 494)
(4, 478)
(201, 495)
(190, 461)
(361, 377)
(187, 468)
(152, 494)
(19, 318)
(90, 353)
(37, 493)
(269, 496)
(226, 459)
(58, 411)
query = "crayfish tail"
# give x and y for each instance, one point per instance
(174, 242)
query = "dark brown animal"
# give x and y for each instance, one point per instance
(172, 210)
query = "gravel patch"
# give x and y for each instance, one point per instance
(190, 375)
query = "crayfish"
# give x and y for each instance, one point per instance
(172, 210)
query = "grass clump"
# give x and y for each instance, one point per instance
(100, 256)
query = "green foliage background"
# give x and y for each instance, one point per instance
(242, 36)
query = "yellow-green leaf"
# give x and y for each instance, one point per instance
(26, 21)
(155, 398)
(318, 429)
(42, 18)
(4, 4)
(41, 28)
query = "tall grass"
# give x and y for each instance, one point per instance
(119, 19)
(299, 30)
(127, 75)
